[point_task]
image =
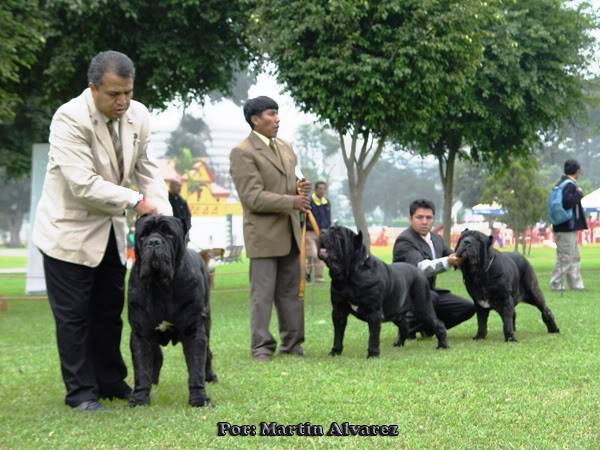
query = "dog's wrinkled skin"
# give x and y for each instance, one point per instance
(373, 291)
(168, 302)
(498, 281)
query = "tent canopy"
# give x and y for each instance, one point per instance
(591, 202)
(488, 210)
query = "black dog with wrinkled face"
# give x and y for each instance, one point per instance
(498, 281)
(168, 302)
(373, 291)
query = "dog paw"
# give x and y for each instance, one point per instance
(211, 377)
(478, 337)
(399, 343)
(335, 352)
(373, 355)
(133, 402)
(201, 402)
(510, 339)
(554, 330)
(442, 346)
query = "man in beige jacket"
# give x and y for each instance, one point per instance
(262, 168)
(98, 145)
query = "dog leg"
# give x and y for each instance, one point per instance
(507, 320)
(339, 316)
(515, 321)
(194, 349)
(403, 331)
(548, 319)
(142, 353)
(211, 376)
(425, 312)
(537, 299)
(482, 318)
(157, 362)
(374, 334)
(534, 296)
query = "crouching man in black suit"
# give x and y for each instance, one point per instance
(418, 246)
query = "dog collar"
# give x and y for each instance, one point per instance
(490, 264)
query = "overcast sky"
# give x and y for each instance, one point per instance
(226, 114)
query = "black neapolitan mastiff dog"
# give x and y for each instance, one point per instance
(168, 302)
(498, 281)
(373, 291)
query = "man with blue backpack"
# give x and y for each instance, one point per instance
(567, 217)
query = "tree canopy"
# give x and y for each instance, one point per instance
(529, 81)
(182, 50)
(369, 69)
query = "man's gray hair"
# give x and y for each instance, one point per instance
(110, 61)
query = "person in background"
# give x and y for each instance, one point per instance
(321, 210)
(263, 171)
(179, 205)
(567, 252)
(418, 246)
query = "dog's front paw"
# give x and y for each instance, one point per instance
(399, 343)
(335, 351)
(510, 339)
(554, 330)
(211, 377)
(373, 354)
(139, 400)
(442, 346)
(479, 336)
(200, 401)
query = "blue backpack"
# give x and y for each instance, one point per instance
(556, 212)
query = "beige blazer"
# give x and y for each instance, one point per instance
(266, 188)
(82, 194)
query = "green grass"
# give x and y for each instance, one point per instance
(542, 392)
(12, 262)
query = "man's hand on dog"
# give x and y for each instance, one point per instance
(454, 260)
(145, 207)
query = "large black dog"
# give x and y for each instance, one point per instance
(499, 281)
(373, 291)
(168, 302)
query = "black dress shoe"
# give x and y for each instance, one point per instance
(90, 405)
(122, 392)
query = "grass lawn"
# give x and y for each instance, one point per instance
(541, 392)
(12, 262)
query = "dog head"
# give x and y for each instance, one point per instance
(159, 247)
(474, 247)
(342, 250)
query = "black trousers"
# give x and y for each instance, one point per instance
(87, 303)
(449, 308)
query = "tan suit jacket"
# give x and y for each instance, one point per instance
(83, 195)
(266, 186)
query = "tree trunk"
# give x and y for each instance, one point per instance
(446, 163)
(16, 222)
(359, 162)
(517, 237)
(358, 211)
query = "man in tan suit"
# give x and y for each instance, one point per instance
(98, 145)
(262, 168)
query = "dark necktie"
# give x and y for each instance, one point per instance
(114, 135)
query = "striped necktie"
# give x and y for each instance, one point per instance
(114, 136)
(273, 147)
